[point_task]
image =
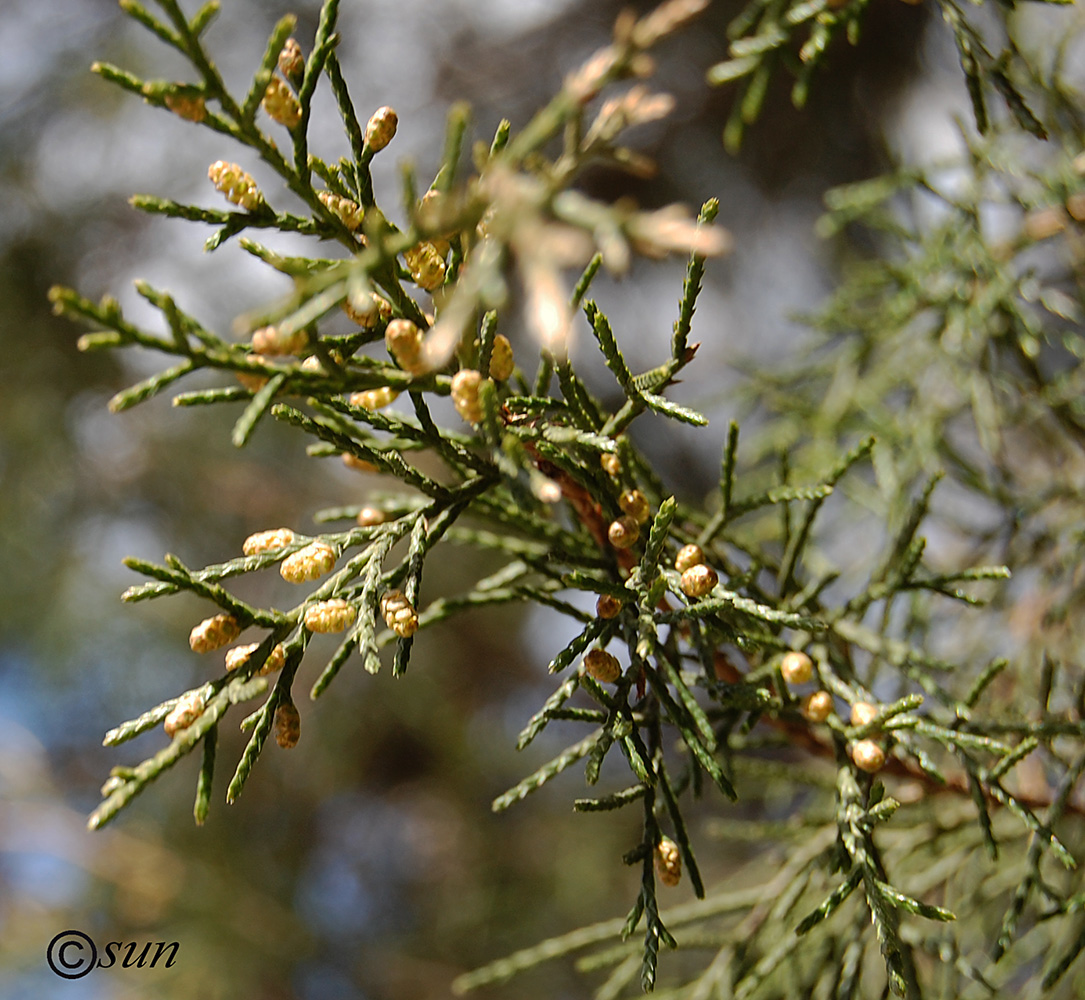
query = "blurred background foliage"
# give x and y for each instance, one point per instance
(367, 863)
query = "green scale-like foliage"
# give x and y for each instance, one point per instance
(543, 474)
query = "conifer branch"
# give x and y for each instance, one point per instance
(737, 641)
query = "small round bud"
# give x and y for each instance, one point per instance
(501, 359)
(214, 633)
(292, 62)
(668, 862)
(223, 174)
(287, 725)
(688, 557)
(624, 532)
(270, 341)
(611, 463)
(426, 265)
(465, 386)
(699, 580)
(607, 606)
(868, 756)
(281, 104)
(275, 661)
(380, 128)
(334, 615)
(348, 212)
(309, 563)
(1075, 205)
(602, 666)
(312, 364)
(863, 713)
(635, 504)
(367, 310)
(817, 707)
(404, 342)
(239, 656)
(796, 667)
(238, 186)
(368, 517)
(190, 107)
(187, 710)
(374, 399)
(399, 614)
(267, 541)
(357, 464)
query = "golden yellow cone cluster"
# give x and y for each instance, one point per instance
(214, 633)
(350, 213)
(187, 710)
(240, 655)
(309, 563)
(374, 399)
(607, 606)
(270, 341)
(281, 104)
(403, 339)
(238, 186)
(399, 614)
(668, 862)
(797, 667)
(291, 61)
(699, 580)
(635, 504)
(333, 615)
(502, 362)
(817, 707)
(267, 541)
(426, 265)
(465, 387)
(287, 725)
(868, 756)
(623, 532)
(863, 713)
(367, 310)
(688, 556)
(602, 666)
(380, 128)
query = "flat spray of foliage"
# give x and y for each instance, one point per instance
(928, 847)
